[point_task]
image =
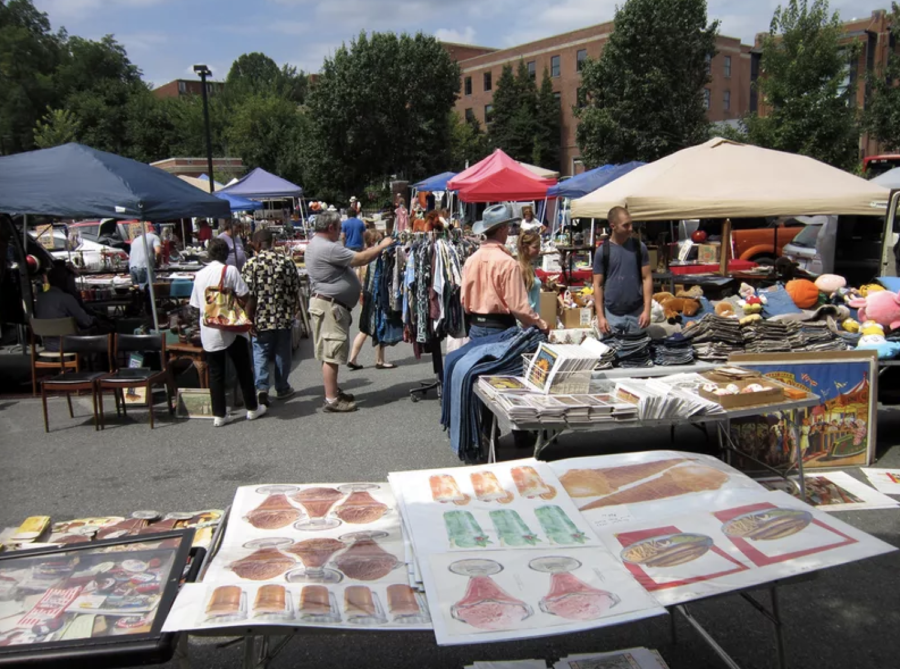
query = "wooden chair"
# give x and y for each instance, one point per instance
(51, 327)
(125, 377)
(70, 382)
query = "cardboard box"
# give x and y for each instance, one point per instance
(708, 254)
(576, 318)
(773, 395)
(547, 308)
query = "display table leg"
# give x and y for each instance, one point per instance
(181, 651)
(779, 632)
(707, 637)
(492, 440)
(249, 652)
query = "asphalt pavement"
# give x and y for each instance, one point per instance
(842, 617)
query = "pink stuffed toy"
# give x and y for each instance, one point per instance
(882, 307)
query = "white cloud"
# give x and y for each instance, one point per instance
(146, 41)
(467, 36)
(75, 9)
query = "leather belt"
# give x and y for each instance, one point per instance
(319, 296)
(493, 321)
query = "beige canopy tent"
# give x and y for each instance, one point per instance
(540, 171)
(202, 184)
(721, 178)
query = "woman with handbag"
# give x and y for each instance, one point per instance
(220, 295)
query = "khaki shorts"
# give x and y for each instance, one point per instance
(331, 331)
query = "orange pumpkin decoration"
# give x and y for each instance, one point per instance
(803, 292)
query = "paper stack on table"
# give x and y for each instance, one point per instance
(549, 409)
(632, 658)
(517, 664)
(656, 400)
(517, 406)
(494, 385)
(555, 367)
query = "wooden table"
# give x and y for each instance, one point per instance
(194, 354)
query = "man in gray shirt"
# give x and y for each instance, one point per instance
(335, 291)
(623, 282)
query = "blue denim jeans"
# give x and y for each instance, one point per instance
(627, 323)
(139, 276)
(479, 331)
(269, 346)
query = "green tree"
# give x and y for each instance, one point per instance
(642, 99)
(380, 108)
(548, 126)
(882, 115)
(468, 143)
(513, 121)
(809, 107)
(29, 55)
(59, 126)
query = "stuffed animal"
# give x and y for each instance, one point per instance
(830, 283)
(870, 288)
(881, 306)
(803, 292)
(677, 305)
(874, 342)
(663, 297)
(752, 305)
(694, 293)
(870, 328)
(752, 318)
(850, 325)
(725, 309)
(657, 313)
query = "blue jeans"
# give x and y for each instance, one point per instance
(272, 345)
(479, 331)
(627, 323)
(139, 276)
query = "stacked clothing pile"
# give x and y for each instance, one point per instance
(673, 350)
(819, 336)
(715, 338)
(631, 349)
(768, 337)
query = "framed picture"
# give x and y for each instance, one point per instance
(135, 397)
(194, 403)
(839, 432)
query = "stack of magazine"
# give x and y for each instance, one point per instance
(562, 369)
(657, 400)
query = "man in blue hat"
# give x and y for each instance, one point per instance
(493, 289)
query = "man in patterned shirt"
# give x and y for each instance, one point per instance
(274, 301)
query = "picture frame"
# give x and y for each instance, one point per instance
(839, 432)
(194, 403)
(136, 397)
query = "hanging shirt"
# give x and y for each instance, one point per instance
(492, 283)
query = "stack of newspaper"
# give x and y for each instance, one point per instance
(657, 400)
(632, 658)
(561, 369)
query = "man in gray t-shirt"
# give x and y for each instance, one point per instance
(623, 284)
(335, 291)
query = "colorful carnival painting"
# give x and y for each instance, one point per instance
(839, 432)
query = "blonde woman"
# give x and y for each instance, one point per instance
(528, 248)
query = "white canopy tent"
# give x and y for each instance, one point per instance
(721, 179)
(540, 171)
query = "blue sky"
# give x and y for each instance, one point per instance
(165, 37)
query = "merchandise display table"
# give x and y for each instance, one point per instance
(548, 432)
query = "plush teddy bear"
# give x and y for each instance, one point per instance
(677, 305)
(881, 306)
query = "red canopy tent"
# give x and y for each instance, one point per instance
(499, 178)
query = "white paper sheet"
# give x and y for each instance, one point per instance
(495, 596)
(655, 484)
(630, 658)
(884, 480)
(833, 491)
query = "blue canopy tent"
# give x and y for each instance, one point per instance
(239, 203)
(261, 185)
(437, 182)
(76, 181)
(588, 182)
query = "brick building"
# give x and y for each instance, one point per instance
(181, 87)
(561, 55)
(873, 35)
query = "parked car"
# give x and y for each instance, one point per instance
(764, 245)
(83, 253)
(107, 231)
(813, 248)
(850, 246)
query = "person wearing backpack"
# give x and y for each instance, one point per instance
(623, 283)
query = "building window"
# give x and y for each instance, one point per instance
(467, 85)
(554, 66)
(580, 57)
(532, 69)
(182, 87)
(706, 98)
(726, 100)
(487, 81)
(728, 67)
(470, 114)
(709, 63)
(558, 97)
(488, 113)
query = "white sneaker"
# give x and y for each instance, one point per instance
(260, 411)
(219, 422)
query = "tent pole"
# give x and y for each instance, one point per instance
(150, 259)
(25, 233)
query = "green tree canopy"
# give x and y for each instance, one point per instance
(547, 131)
(882, 116)
(516, 124)
(256, 73)
(59, 126)
(380, 108)
(643, 98)
(809, 103)
(468, 143)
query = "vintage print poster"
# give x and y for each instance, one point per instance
(833, 491)
(617, 489)
(517, 504)
(839, 432)
(514, 594)
(886, 481)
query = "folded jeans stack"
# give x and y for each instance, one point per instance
(632, 349)
(715, 338)
(673, 350)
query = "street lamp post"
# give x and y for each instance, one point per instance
(204, 72)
